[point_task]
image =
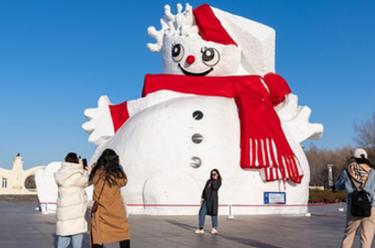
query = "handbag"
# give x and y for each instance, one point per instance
(95, 206)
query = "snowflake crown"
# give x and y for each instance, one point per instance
(180, 24)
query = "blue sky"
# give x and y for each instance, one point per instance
(58, 57)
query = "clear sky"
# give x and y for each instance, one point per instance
(58, 57)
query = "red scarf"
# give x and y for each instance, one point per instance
(263, 143)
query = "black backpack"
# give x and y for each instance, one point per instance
(361, 205)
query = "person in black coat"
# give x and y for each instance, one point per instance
(210, 202)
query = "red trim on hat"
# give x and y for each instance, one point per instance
(210, 28)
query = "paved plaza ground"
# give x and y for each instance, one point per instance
(22, 226)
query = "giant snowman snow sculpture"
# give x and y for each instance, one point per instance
(218, 105)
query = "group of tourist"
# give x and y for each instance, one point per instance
(108, 218)
(108, 222)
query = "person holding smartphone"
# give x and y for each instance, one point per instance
(71, 179)
(109, 223)
(210, 202)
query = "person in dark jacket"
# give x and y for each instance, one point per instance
(210, 202)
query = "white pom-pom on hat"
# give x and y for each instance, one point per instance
(359, 152)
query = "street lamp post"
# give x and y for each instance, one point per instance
(330, 176)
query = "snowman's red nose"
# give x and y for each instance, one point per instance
(190, 59)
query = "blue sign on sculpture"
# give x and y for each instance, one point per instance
(274, 197)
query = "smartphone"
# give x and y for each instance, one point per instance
(84, 163)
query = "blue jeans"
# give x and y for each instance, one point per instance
(202, 216)
(64, 241)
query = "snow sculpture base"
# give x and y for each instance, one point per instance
(47, 188)
(156, 149)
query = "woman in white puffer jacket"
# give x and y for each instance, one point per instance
(71, 180)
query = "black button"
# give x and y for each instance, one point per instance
(195, 162)
(197, 138)
(197, 115)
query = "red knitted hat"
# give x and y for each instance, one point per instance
(210, 28)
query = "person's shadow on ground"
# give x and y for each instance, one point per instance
(248, 242)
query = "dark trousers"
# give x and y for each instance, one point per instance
(123, 244)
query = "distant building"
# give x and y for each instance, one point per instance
(17, 180)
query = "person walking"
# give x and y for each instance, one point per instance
(71, 179)
(109, 223)
(358, 176)
(210, 202)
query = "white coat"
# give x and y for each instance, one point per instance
(71, 180)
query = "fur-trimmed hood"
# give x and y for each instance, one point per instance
(66, 171)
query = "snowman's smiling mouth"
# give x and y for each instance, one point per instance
(188, 73)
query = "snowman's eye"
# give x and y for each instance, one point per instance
(177, 52)
(210, 56)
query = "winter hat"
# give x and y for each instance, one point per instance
(209, 26)
(359, 152)
(257, 41)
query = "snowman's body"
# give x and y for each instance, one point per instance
(156, 148)
(172, 141)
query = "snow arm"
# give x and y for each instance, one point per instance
(107, 118)
(297, 118)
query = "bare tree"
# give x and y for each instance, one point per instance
(319, 159)
(366, 136)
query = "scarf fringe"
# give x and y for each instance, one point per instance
(276, 166)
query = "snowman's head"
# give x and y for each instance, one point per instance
(189, 54)
(196, 43)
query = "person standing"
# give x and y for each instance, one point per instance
(210, 202)
(359, 175)
(109, 223)
(71, 180)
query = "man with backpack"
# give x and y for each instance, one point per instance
(358, 179)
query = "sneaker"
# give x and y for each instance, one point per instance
(199, 231)
(214, 231)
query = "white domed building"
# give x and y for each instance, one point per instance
(17, 181)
